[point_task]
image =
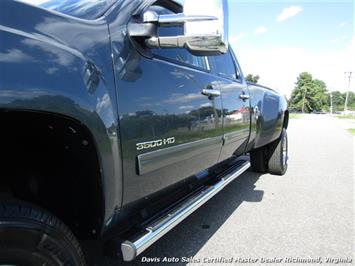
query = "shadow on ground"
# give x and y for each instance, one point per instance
(190, 235)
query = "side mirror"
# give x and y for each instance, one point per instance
(205, 28)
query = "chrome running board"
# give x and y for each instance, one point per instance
(131, 249)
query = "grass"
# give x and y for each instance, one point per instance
(346, 116)
(296, 116)
(352, 130)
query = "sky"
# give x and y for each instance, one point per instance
(278, 39)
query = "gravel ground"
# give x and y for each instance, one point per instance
(306, 214)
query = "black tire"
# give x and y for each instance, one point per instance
(278, 161)
(258, 160)
(30, 236)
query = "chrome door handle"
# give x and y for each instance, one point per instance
(244, 96)
(211, 92)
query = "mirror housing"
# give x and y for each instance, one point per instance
(205, 25)
(208, 37)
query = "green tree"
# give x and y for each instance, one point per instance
(252, 78)
(351, 100)
(339, 100)
(319, 96)
(309, 94)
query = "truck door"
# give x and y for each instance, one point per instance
(170, 115)
(235, 103)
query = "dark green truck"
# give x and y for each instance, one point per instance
(118, 120)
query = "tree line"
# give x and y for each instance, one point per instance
(312, 94)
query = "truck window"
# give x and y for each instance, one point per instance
(177, 55)
(223, 65)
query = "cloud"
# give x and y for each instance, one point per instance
(56, 54)
(103, 103)
(15, 56)
(185, 107)
(342, 24)
(52, 70)
(206, 105)
(235, 39)
(342, 38)
(34, 2)
(183, 98)
(278, 68)
(260, 30)
(289, 12)
(8, 95)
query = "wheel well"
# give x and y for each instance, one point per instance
(51, 161)
(286, 117)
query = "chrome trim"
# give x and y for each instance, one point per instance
(211, 92)
(205, 43)
(204, 32)
(172, 19)
(151, 161)
(131, 249)
(207, 63)
(244, 96)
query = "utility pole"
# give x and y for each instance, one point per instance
(331, 103)
(347, 93)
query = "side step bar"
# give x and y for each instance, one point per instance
(131, 249)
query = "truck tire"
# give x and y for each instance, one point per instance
(30, 236)
(258, 160)
(278, 161)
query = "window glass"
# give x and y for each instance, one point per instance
(183, 56)
(223, 65)
(176, 54)
(85, 9)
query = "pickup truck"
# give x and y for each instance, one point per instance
(118, 119)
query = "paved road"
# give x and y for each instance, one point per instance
(308, 213)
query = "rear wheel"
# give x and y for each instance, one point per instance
(30, 236)
(278, 160)
(271, 158)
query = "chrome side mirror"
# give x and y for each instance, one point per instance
(205, 28)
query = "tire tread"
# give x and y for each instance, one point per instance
(16, 209)
(275, 161)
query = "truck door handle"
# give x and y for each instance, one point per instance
(244, 96)
(211, 92)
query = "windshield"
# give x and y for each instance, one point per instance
(85, 9)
